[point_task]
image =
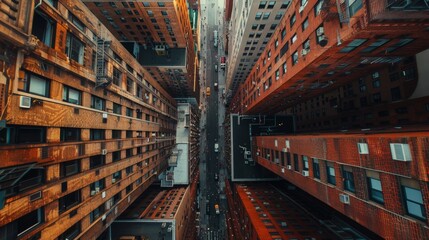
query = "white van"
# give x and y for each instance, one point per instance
(216, 149)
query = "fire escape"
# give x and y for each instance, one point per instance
(102, 80)
(168, 178)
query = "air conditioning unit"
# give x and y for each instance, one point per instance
(305, 173)
(146, 96)
(103, 151)
(283, 170)
(320, 31)
(103, 217)
(344, 198)
(93, 192)
(289, 167)
(400, 152)
(247, 152)
(287, 143)
(277, 77)
(304, 52)
(285, 150)
(24, 102)
(97, 190)
(363, 148)
(104, 115)
(113, 180)
(301, 9)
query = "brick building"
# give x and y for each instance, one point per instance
(264, 213)
(318, 46)
(353, 75)
(84, 128)
(160, 213)
(160, 35)
(377, 179)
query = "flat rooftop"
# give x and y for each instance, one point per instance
(175, 57)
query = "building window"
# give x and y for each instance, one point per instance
(278, 16)
(348, 180)
(295, 162)
(96, 213)
(96, 186)
(116, 176)
(271, 4)
(129, 134)
(376, 97)
(68, 201)
(318, 7)
(305, 163)
(76, 22)
(255, 26)
(129, 170)
(24, 224)
(96, 134)
(305, 24)
(72, 95)
(129, 112)
(414, 204)
(400, 43)
(353, 45)
(354, 6)
(292, 20)
(116, 134)
(316, 168)
(258, 15)
(43, 29)
(130, 85)
(266, 15)
(375, 190)
(116, 156)
(70, 134)
(330, 173)
(150, 13)
(96, 161)
(375, 45)
(36, 85)
(284, 68)
(295, 58)
(285, 4)
(14, 134)
(117, 77)
(98, 103)
(262, 4)
(161, 4)
(117, 108)
(69, 168)
(70, 233)
(395, 93)
(74, 48)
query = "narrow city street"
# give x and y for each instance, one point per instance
(212, 222)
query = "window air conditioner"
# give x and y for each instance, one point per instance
(304, 52)
(289, 167)
(305, 173)
(301, 9)
(103, 151)
(363, 148)
(344, 198)
(24, 102)
(400, 152)
(285, 150)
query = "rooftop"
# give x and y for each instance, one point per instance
(173, 57)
